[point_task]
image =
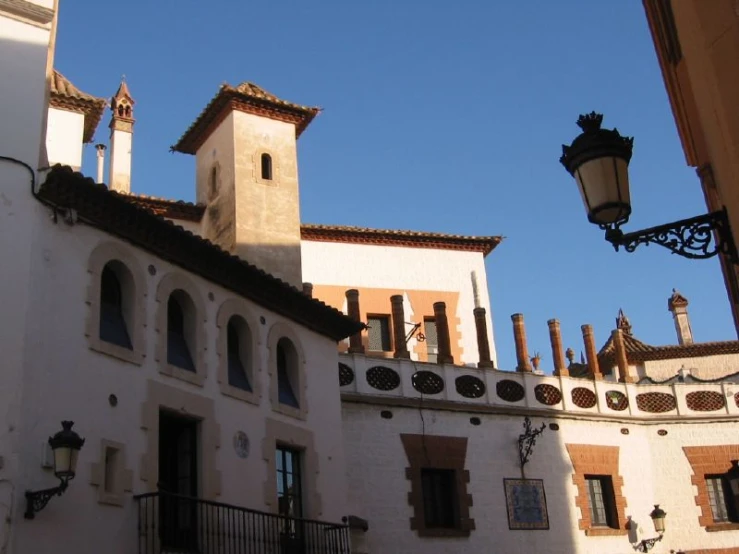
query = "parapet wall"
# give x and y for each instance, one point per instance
(395, 380)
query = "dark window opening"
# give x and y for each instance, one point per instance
(439, 498)
(289, 482)
(602, 501)
(238, 356)
(379, 333)
(432, 339)
(213, 184)
(178, 475)
(178, 351)
(266, 167)
(286, 373)
(112, 322)
(721, 499)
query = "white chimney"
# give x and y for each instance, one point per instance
(101, 161)
(678, 305)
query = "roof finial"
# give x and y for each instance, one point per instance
(623, 323)
(123, 77)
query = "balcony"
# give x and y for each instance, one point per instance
(170, 523)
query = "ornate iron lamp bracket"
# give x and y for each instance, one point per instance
(527, 440)
(37, 500)
(647, 544)
(697, 238)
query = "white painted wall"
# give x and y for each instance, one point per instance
(64, 133)
(706, 367)
(654, 469)
(66, 380)
(373, 266)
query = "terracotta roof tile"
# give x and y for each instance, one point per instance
(117, 215)
(66, 96)
(177, 209)
(389, 237)
(249, 98)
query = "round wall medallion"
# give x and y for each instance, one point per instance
(624, 431)
(113, 400)
(475, 421)
(554, 426)
(662, 432)
(211, 296)
(241, 444)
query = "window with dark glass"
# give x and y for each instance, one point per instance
(721, 499)
(237, 337)
(602, 501)
(379, 333)
(266, 167)
(439, 498)
(287, 373)
(178, 349)
(112, 321)
(289, 482)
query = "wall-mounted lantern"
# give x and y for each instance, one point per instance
(658, 519)
(599, 159)
(65, 445)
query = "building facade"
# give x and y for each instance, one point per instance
(246, 382)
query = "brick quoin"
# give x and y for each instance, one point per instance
(588, 459)
(710, 460)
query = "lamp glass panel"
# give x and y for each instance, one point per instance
(604, 187)
(62, 460)
(659, 524)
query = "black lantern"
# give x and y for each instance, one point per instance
(599, 159)
(733, 476)
(65, 445)
(658, 518)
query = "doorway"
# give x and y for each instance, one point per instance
(178, 481)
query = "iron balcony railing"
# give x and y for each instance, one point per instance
(170, 523)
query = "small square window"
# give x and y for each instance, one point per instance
(379, 333)
(720, 498)
(439, 498)
(602, 501)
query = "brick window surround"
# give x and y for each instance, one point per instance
(438, 452)
(710, 460)
(588, 459)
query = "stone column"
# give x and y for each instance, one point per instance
(590, 352)
(624, 375)
(308, 289)
(401, 348)
(483, 345)
(442, 330)
(352, 310)
(519, 336)
(555, 337)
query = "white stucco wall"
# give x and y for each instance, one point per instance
(706, 367)
(653, 467)
(121, 143)
(372, 266)
(64, 132)
(67, 380)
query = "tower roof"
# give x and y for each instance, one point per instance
(249, 98)
(65, 96)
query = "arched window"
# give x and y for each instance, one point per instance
(287, 373)
(113, 328)
(180, 330)
(237, 350)
(266, 167)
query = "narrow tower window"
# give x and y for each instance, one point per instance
(266, 167)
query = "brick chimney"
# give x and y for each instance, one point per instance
(555, 337)
(352, 310)
(519, 337)
(590, 352)
(483, 346)
(624, 375)
(396, 306)
(678, 305)
(442, 330)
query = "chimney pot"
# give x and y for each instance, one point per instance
(590, 352)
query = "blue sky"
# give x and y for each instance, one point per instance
(438, 116)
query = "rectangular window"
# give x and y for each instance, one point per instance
(439, 498)
(289, 482)
(432, 339)
(718, 492)
(379, 333)
(601, 500)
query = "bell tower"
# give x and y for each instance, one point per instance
(245, 143)
(121, 139)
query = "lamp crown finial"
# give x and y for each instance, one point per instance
(590, 123)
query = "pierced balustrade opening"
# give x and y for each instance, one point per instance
(218, 527)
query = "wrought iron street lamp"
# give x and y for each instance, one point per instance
(658, 519)
(65, 445)
(599, 159)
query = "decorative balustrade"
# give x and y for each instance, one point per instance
(174, 523)
(484, 387)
